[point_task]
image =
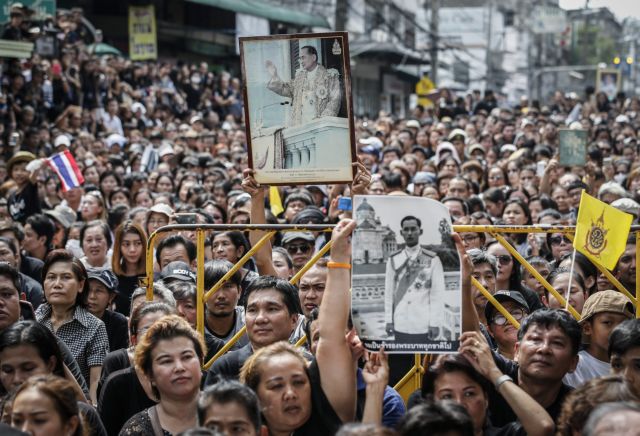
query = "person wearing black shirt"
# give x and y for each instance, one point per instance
(24, 201)
(547, 349)
(103, 286)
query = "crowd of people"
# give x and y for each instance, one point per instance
(83, 351)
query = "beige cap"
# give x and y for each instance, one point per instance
(607, 301)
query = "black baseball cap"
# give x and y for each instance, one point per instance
(104, 276)
(178, 270)
(503, 297)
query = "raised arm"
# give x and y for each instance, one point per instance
(262, 257)
(533, 417)
(337, 373)
(376, 377)
(470, 320)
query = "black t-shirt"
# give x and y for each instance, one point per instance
(24, 203)
(122, 397)
(229, 365)
(323, 420)
(501, 412)
(114, 361)
(126, 286)
(117, 330)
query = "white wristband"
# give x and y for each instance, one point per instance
(501, 380)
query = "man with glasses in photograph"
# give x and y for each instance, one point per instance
(300, 246)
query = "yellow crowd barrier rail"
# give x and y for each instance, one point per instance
(413, 379)
(201, 231)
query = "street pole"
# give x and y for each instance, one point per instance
(341, 15)
(433, 30)
(488, 59)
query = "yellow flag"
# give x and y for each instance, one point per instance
(423, 87)
(275, 201)
(601, 231)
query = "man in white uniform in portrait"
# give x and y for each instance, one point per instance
(315, 91)
(414, 289)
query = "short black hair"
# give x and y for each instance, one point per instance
(43, 226)
(437, 417)
(548, 318)
(214, 270)
(410, 217)
(313, 316)
(231, 391)
(12, 274)
(287, 290)
(464, 204)
(311, 50)
(174, 240)
(624, 337)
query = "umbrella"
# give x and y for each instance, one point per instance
(103, 49)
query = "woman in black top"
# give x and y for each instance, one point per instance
(170, 355)
(128, 262)
(312, 400)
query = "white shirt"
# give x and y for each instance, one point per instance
(588, 367)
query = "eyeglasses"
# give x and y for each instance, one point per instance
(469, 238)
(517, 314)
(496, 177)
(504, 259)
(557, 240)
(295, 248)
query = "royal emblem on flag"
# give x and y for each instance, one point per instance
(596, 240)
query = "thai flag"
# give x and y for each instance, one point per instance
(67, 170)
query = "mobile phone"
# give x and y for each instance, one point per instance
(185, 218)
(540, 166)
(13, 139)
(344, 204)
(607, 160)
(56, 69)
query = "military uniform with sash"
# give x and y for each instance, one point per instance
(414, 293)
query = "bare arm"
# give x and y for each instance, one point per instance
(94, 375)
(335, 364)
(549, 176)
(262, 257)
(376, 376)
(362, 179)
(470, 320)
(533, 417)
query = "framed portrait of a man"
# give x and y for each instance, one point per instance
(608, 81)
(406, 285)
(298, 108)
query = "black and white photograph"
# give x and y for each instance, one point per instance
(298, 108)
(406, 275)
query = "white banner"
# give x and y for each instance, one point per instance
(548, 19)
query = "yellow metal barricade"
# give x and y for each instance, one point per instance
(413, 379)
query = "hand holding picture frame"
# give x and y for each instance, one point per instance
(298, 108)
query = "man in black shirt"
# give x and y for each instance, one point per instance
(272, 309)
(547, 349)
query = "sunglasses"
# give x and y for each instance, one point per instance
(298, 248)
(504, 259)
(500, 319)
(557, 240)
